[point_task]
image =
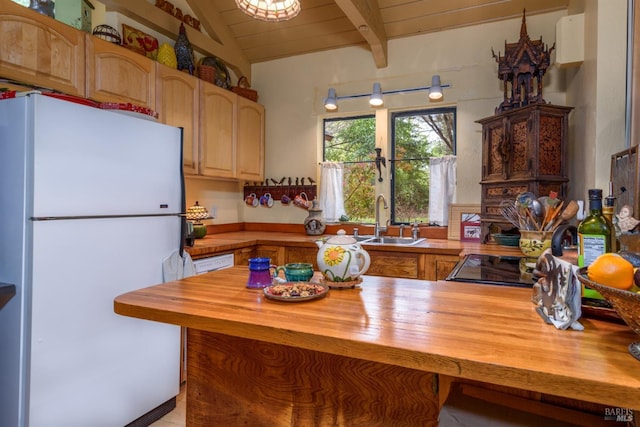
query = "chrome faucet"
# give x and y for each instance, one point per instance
(377, 227)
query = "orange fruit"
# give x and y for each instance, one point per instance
(611, 269)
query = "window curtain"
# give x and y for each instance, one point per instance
(331, 195)
(442, 189)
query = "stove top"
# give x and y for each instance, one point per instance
(495, 270)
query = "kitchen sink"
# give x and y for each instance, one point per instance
(388, 240)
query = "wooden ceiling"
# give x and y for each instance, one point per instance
(325, 24)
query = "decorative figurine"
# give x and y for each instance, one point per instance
(521, 69)
(625, 220)
(314, 223)
(184, 52)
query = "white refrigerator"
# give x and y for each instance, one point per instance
(90, 206)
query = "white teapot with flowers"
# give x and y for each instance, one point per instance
(341, 258)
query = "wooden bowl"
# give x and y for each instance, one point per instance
(625, 303)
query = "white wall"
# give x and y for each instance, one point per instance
(292, 90)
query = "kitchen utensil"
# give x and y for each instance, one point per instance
(511, 213)
(531, 216)
(525, 199)
(538, 209)
(568, 213)
(551, 214)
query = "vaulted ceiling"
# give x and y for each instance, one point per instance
(323, 24)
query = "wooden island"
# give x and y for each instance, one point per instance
(374, 355)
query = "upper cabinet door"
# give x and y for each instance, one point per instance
(178, 105)
(250, 141)
(217, 131)
(40, 51)
(116, 74)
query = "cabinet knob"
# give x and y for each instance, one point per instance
(505, 190)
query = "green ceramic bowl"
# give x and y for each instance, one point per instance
(506, 239)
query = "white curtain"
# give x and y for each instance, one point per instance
(331, 196)
(442, 190)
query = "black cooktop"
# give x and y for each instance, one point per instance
(495, 270)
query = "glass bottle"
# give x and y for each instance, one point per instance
(608, 210)
(594, 232)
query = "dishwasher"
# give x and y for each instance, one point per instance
(213, 263)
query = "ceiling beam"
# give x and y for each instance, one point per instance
(365, 15)
(156, 19)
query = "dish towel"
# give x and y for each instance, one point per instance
(331, 193)
(442, 188)
(176, 267)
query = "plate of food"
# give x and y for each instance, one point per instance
(295, 291)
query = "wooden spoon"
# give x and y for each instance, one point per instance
(569, 212)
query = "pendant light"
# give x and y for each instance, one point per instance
(270, 10)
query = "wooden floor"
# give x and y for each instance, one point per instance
(177, 417)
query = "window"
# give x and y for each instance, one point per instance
(415, 137)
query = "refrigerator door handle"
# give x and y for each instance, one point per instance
(75, 217)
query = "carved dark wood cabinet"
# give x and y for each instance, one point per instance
(523, 149)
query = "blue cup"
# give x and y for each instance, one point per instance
(260, 273)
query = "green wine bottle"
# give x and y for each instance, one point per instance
(594, 232)
(594, 238)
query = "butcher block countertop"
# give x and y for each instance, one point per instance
(485, 333)
(224, 242)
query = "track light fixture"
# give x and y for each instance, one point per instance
(435, 92)
(375, 98)
(331, 101)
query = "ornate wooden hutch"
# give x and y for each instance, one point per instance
(524, 145)
(524, 149)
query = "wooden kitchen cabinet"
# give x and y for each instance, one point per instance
(231, 135)
(177, 104)
(395, 264)
(523, 149)
(438, 267)
(250, 141)
(218, 121)
(117, 74)
(241, 256)
(40, 51)
(276, 253)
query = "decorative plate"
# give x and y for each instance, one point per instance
(139, 41)
(295, 291)
(222, 76)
